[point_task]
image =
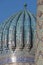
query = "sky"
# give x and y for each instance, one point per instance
(10, 7)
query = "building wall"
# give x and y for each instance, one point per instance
(39, 54)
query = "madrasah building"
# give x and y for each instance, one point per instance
(18, 39)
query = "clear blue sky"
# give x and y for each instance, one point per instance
(8, 7)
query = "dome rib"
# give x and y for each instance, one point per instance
(3, 27)
(18, 32)
(23, 29)
(27, 33)
(31, 32)
(13, 24)
(33, 28)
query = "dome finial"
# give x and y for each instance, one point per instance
(25, 5)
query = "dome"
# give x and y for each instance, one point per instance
(18, 32)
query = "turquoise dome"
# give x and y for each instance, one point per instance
(18, 38)
(18, 31)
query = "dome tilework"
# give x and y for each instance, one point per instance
(18, 32)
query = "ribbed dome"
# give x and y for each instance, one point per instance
(18, 32)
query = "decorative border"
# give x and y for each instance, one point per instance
(19, 59)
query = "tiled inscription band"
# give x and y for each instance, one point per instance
(18, 59)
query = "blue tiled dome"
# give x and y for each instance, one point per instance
(18, 31)
(18, 38)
